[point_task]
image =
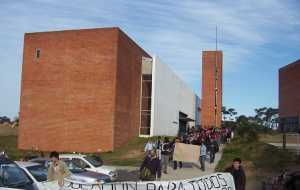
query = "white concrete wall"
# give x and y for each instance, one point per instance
(169, 96)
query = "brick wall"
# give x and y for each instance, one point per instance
(208, 88)
(72, 96)
(289, 90)
(128, 89)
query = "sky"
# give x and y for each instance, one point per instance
(257, 38)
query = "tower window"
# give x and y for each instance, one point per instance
(37, 53)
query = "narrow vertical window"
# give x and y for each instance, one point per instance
(37, 53)
(146, 94)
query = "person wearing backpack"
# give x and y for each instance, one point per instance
(150, 168)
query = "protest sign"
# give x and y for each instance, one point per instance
(186, 153)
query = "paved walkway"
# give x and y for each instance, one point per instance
(188, 171)
(192, 170)
(291, 146)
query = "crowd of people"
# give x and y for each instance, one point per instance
(160, 152)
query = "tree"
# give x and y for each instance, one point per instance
(224, 113)
(271, 117)
(231, 112)
(4, 119)
(246, 130)
(16, 121)
(228, 112)
(266, 117)
(242, 120)
(259, 116)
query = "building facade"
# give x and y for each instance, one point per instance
(80, 90)
(93, 90)
(289, 96)
(211, 102)
(173, 106)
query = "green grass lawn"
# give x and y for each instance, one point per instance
(259, 159)
(130, 154)
(277, 138)
(257, 155)
(9, 144)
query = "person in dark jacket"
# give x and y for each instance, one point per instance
(165, 154)
(150, 169)
(238, 174)
(212, 150)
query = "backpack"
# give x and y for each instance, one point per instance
(166, 149)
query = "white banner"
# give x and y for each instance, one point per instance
(216, 181)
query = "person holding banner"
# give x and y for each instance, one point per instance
(175, 162)
(150, 168)
(238, 174)
(202, 155)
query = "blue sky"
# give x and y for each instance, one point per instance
(257, 38)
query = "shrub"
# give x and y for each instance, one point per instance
(247, 133)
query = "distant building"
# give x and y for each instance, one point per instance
(95, 89)
(211, 102)
(289, 96)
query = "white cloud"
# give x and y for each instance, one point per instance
(177, 31)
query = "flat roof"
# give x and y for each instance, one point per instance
(75, 30)
(291, 65)
(114, 28)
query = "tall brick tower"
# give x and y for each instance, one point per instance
(211, 104)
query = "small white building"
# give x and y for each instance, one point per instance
(168, 105)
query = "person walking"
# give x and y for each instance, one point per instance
(165, 154)
(202, 155)
(150, 168)
(158, 146)
(149, 146)
(212, 149)
(238, 174)
(57, 169)
(175, 162)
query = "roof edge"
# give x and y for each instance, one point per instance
(80, 29)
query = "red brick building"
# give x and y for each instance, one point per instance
(80, 90)
(289, 96)
(211, 102)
